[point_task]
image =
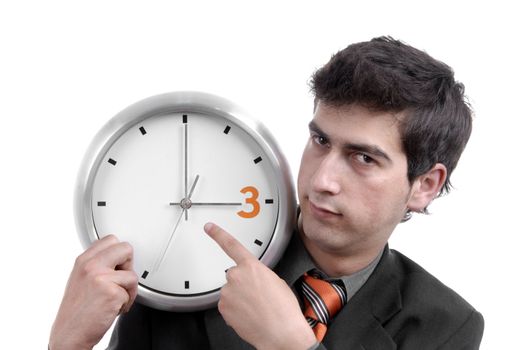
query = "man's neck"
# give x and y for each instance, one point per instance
(337, 264)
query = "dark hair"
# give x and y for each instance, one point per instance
(385, 74)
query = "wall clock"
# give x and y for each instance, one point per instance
(162, 168)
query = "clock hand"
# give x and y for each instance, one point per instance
(193, 186)
(186, 201)
(185, 162)
(159, 261)
(209, 203)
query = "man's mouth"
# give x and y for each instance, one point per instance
(322, 211)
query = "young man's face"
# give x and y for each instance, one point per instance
(352, 185)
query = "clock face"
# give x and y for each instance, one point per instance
(162, 168)
(164, 178)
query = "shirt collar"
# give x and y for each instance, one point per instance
(297, 261)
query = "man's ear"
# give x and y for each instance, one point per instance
(426, 187)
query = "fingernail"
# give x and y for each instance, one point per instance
(208, 227)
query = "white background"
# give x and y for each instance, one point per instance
(66, 67)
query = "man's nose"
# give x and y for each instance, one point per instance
(326, 179)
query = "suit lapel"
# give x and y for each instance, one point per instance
(360, 324)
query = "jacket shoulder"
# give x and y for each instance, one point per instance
(419, 288)
(432, 309)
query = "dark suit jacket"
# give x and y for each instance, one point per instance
(401, 306)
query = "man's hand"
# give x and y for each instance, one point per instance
(100, 287)
(256, 303)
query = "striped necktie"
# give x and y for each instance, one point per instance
(322, 300)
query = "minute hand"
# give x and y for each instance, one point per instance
(186, 165)
(208, 203)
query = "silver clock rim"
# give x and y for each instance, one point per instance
(185, 101)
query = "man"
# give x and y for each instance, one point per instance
(389, 126)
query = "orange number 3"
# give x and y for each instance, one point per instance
(252, 201)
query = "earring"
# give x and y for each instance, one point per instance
(407, 216)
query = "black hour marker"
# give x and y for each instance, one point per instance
(101, 204)
(258, 242)
(186, 284)
(142, 130)
(144, 274)
(184, 117)
(257, 160)
(269, 201)
(227, 129)
(112, 161)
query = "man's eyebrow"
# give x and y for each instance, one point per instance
(358, 147)
(369, 149)
(314, 127)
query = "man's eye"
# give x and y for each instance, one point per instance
(320, 140)
(363, 158)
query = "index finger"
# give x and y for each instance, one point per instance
(230, 245)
